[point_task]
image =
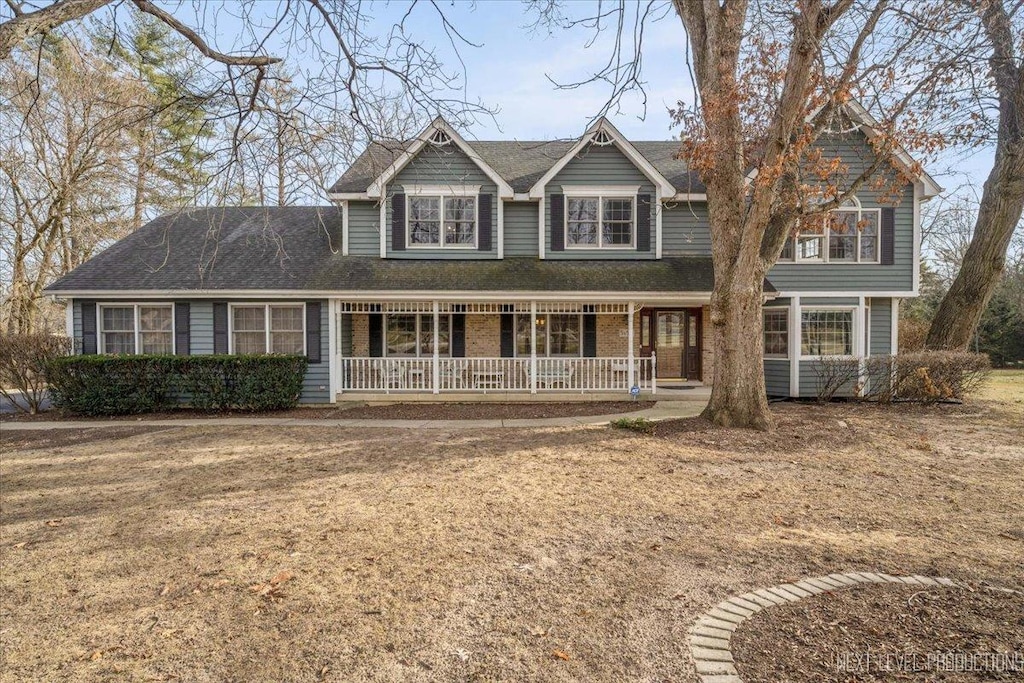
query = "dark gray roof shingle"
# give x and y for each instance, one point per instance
(297, 249)
(520, 163)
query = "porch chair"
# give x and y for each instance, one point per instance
(390, 374)
(454, 373)
(556, 372)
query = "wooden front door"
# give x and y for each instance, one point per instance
(676, 335)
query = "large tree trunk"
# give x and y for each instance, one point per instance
(738, 396)
(999, 214)
(1002, 200)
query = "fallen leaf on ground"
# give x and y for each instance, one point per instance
(54, 522)
(561, 655)
(95, 655)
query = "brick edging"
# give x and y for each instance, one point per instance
(711, 635)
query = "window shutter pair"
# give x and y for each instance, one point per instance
(484, 223)
(643, 222)
(313, 327)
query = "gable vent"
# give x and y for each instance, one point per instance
(602, 138)
(440, 138)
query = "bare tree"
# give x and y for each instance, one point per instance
(1002, 199)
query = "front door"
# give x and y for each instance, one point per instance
(677, 343)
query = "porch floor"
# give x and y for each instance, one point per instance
(685, 391)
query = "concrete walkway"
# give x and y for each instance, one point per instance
(662, 410)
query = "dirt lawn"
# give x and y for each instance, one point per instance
(575, 554)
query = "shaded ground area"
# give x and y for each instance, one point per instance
(395, 411)
(882, 632)
(322, 553)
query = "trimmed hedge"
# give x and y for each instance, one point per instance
(922, 376)
(123, 385)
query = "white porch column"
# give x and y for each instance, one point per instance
(436, 365)
(533, 345)
(629, 353)
(860, 345)
(333, 351)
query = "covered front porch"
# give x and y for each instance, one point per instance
(447, 349)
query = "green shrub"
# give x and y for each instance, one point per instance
(112, 385)
(635, 424)
(120, 385)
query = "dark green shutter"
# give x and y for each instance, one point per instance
(508, 335)
(557, 214)
(313, 331)
(182, 328)
(589, 335)
(458, 339)
(89, 345)
(220, 327)
(376, 335)
(643, 222)
(887, 232)
(398, 222)
(484, 239)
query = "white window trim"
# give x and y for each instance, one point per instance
(101, 338)
(775, 356)
(546, 351)
(854, 330)
(266, 322)
(600, 224)
(442, 193)
(826, 232)
(419, 332)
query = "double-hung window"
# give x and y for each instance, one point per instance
(439, 221)
(776, 332)
(557, 335)
(411, 335)
(847, 235)
(268, 328)
(826, 332)
(137, 328)
(601, 222)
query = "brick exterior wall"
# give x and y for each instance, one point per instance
(707, 358)
(483, 336)
(360, 335)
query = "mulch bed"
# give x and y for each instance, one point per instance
(954, 635)
(396, 411)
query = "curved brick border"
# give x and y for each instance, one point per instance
(710, 636)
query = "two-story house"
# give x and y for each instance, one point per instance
(452, 268)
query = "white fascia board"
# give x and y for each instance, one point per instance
(624, 146)
(458, 296)
(807, 294)
(600, 190)
(376, 188)
(687, 197)
(523, 197)
(458, 189)
(347, 196)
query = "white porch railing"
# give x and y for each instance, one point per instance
(396, 375)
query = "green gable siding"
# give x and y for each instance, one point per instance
(685, 230)
(598, 165)
(439, 166)
(857, 154)
(521, 229)
(364, 228)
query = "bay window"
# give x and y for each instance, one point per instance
(412, 335)
(776, 332)
(826, 332)
(599, 222)
(268, 328)
(137, 328)
(442, 221)
(557, 335)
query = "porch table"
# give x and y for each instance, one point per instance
(488, 379)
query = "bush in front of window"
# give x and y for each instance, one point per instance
(126, 385)
(921, 376)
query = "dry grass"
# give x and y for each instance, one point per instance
(555, 554)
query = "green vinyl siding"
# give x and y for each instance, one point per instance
(881, 327)
(316, 385)
(364, 228)
(809, 382)
(685, 229)
(857, 155)
(521, 229)
(200, 318)
(440, 166)
(76, 323)
(597, 165)
(776, 376)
